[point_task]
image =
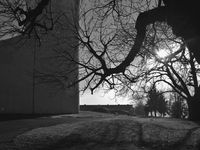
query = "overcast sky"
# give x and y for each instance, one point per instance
(100, 98)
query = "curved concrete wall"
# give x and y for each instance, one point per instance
(20, 92)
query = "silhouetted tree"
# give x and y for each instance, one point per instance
(156, 103)
(152, 102)
(176, 14)
(178, 108)
(179, 73)
(162, 105)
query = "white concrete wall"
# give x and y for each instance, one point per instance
(18, 94)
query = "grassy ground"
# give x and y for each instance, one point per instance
(13, 125)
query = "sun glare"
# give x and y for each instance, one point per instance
(162, 53)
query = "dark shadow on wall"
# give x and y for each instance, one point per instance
(7, 117)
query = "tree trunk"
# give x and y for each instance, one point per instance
(193, 45)
(194, 108)
(155, 113)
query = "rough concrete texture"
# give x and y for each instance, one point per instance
(22, 58)
(113, 134)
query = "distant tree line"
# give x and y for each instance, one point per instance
(157, 105)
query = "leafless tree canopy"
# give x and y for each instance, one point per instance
(126, 29)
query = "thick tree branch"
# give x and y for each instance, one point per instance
(193, 71)
(144, 19)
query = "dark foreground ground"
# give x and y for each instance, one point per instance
(13, 125)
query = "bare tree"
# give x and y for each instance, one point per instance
(156, 103)
(105, 61)
(178, 108)
(110, 62)
(20, 17)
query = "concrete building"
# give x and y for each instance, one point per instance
(21, 59)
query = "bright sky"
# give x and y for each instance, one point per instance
(100, 98)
